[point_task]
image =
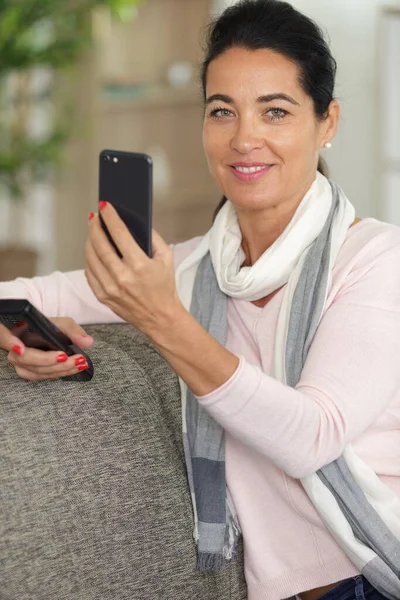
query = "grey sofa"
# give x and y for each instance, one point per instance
(94, 503)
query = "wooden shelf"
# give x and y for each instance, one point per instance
(390, 164)
(172, 198)
(125, 102)
(184, 222)
(391, 10)
(153, 97)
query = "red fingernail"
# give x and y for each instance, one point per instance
(21, 324)
(102, 204)
(17, 349)
(83, 367)
(80, 361)
(62, 358)
(91, 216)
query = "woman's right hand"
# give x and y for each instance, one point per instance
(36, 365)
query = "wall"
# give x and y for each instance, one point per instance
(390, 116)
(355, 160)
(29, 223)
(353, 28)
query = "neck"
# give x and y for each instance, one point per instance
(261, 228)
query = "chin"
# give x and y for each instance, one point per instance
(253, 199)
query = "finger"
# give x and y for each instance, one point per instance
(47, 373)
(95, 285)
(129, 248)
(10, 342)
(36, 375)
(73, 363)
(75, 332)
(159, 246)
(98, 270)
(103, 249)
(33, 358)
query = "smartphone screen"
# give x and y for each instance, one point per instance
(126, 183)
(29, 334)
(31, 326)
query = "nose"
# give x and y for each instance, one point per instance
(247, 136)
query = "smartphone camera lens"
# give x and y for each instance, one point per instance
(107, 158)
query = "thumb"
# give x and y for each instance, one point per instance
(74, 331)
(82, 340)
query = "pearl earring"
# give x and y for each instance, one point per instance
(328, 145)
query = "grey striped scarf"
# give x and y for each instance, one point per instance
(368, 541)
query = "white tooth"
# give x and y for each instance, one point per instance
(249, 169)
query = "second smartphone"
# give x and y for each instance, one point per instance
(126, 182)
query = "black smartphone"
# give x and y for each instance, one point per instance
(126, 182)
(36, 331)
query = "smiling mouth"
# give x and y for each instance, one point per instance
(250, 173)
(251, 169)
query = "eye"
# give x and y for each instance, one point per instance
(220, 113)
(276, 114)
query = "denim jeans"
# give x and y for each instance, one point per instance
(355, 588)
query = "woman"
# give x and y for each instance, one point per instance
(282, 324)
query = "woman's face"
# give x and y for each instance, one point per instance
(261, 135)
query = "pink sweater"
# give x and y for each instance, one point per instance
(349, 392)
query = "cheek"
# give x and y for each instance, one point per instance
(212, 147)
(297, 144)
(206, 144)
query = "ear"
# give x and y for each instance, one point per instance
(330, 124)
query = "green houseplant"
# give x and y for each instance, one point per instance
(51, 36)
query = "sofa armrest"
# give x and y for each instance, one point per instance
(94, 501)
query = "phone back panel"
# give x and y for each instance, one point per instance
(126, 183)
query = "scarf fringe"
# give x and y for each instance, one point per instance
(208, 562)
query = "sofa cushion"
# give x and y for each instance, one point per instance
(94, 501)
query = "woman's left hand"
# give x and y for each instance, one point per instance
(139, 289)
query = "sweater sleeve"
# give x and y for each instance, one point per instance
(61, 295)
(69, 294)
(350, 378)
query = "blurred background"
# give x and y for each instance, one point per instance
(78, 76)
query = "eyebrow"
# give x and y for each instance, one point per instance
(260, 99)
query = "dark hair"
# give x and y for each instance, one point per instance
(277, 26)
